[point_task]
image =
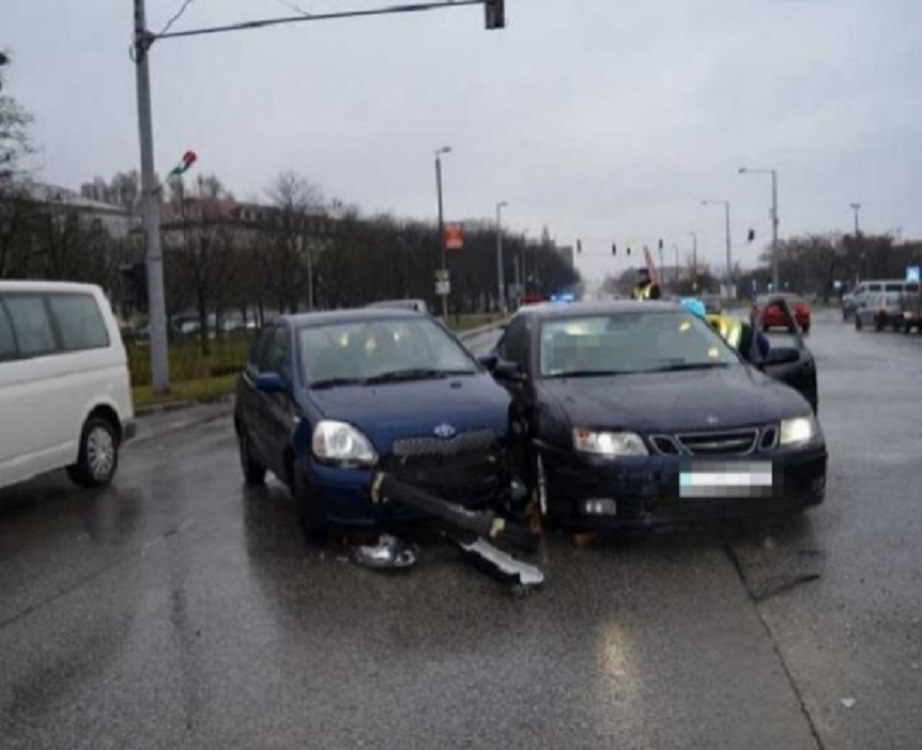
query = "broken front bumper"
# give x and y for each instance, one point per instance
(643, 492)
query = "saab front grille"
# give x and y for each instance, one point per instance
(730, 443)
(471, 441)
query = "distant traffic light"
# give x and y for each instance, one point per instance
(134, 276)
(579, 246)
(628, 249)
(495, 14)
(660, 244)
(188, 159)
(614, 249)
(752, 234)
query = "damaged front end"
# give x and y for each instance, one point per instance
(473, 532)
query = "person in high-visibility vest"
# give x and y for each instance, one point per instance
(646, 288)
(738, 333)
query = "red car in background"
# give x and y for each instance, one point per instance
(772, 316)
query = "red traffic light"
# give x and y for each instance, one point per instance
(189, 158)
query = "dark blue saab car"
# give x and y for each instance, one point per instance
(635, 414)
(327, 399)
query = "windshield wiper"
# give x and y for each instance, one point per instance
(686, 366)
(418, 373)
(335, 383)
(588, 373)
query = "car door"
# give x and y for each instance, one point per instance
(276, 411)
(792, 365)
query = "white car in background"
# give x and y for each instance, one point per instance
(65, 391)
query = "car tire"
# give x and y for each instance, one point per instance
(97, 460)
(878, 323)
(858, 322)
(806, 329)
(254, 471)
(310, 519)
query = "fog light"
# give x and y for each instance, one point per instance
(605, 507)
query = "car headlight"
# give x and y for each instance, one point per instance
(342, 443)
(608, 443)
(798, 431)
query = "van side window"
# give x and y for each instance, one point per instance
(31, 324)
(7, 339)
(79, 321)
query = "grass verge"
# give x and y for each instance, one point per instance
(185, 390)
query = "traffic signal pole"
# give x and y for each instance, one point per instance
(150, 207)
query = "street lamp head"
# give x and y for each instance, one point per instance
(502, 204)
(743, 170)
(443, 150)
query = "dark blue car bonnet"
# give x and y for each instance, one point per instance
(387, 412)
(652, 402)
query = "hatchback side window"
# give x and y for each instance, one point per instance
(275, 357)
(79, 322)
(7, 339)
(31, 324)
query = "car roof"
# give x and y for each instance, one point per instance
(46, 286)
(552, 311)
(351, 315)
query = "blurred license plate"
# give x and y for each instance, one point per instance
(726, 479)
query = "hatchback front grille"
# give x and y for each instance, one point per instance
(471, 441)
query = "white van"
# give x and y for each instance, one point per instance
(65, 392)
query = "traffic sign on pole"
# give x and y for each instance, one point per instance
(454, 236)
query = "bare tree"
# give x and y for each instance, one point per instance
(293, 238)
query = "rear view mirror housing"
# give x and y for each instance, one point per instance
(270, 382)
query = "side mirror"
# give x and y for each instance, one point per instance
(508, 371)
(489, 361)
(782, 355)
(270, 382)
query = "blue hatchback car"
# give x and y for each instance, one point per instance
(327, 399)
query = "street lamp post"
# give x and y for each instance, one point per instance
(694, 236)
(438, 185)
(501, 281)
(856, 207)
(776, 281)
(726, 205)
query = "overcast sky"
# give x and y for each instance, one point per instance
(609, 121)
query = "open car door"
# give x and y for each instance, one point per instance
(793, 365)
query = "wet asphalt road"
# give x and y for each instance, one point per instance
(175, 610)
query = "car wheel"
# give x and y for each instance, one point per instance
(254, 471)
(806, 329)
(309, 515)
(878, 323)
(857, 322)
(97, 460)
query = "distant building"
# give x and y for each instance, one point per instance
(114, 219)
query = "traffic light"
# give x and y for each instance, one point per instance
(495, 14)
(752, 234)
(188, 159)
(614, 249)
(628, 249)
(660, 244)
(579, 246)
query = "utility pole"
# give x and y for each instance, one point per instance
(694, 261)
(501, 281)
(856, 207)
(438, 186)
(776, 279)
(150, 205)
